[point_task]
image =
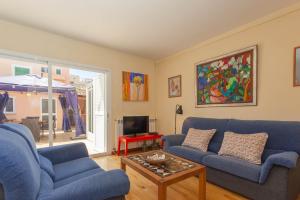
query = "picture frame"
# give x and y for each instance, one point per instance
(174, 86)
(296, 71)
(227, 80)
(135, 86)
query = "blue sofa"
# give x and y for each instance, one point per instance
(54, 173)
(278, 178)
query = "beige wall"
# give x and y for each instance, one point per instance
(32, 41)
(277, 98)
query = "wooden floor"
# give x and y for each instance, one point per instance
(143, 189)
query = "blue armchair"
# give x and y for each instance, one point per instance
(54, 173)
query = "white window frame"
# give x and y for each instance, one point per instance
(46, 68)
(47, 114)
(13, 66)
(14, 106)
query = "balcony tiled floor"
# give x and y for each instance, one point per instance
(65, 138)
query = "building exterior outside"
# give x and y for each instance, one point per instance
(32, 104)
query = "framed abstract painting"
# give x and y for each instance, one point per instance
(135, 86)
(174, 86)
(227, 80)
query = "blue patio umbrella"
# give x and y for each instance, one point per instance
(3, 102)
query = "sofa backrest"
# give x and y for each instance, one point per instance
(19, 167)
(283, 135)
(207, 123)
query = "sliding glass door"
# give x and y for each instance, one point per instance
(60, 103)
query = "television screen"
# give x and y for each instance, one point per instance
(133, 125)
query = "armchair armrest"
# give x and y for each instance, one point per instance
(173, 140)
(285, 159)
(64, 153)
(100, 186)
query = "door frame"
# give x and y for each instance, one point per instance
(64, 63)
(90, 135)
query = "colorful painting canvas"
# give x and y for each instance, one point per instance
(228, 80)
(135, 86)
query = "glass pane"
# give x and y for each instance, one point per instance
(58, 71)
(44, 70)
(9, 106)
(45, 106)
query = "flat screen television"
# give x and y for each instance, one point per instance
(133, 125)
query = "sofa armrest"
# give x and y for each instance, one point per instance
(101, 186)
(285, 159)
(173, 140)
(64, 153)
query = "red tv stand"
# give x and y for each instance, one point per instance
(128, 139)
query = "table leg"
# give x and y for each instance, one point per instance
(144, 147)
(202, 184)
(126, 148)
(162, 144)
(123, 166)
(162, 192)
(119, 147)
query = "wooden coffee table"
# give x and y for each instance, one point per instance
(176, 169)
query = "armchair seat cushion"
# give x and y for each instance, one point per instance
(99, 186)
(74, 167)
(77, 177)
(46, 165)
(234, 166)
(46, 183)
(189, 153)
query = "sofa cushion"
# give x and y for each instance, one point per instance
(77, 177)
(189, 153)
(280, 132)
(46, 165)
(71, 168)
(248, 147)
(205, 124)
(233, 166)
(46, 183)
(198, 139)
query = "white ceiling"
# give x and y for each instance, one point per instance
(149, 28)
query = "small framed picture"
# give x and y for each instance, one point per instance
(174, 86)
